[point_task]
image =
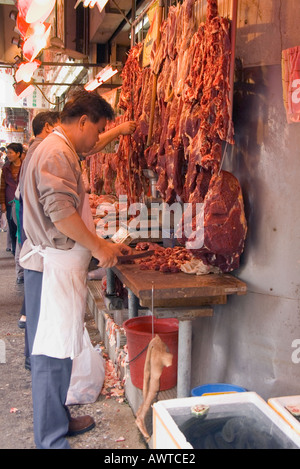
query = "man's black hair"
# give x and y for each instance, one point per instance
(42, 118)
(88, 103)
(16, 147)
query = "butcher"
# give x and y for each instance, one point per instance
(61, 240)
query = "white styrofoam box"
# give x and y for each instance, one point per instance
(279, 405)
(167, 435)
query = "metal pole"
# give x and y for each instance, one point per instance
(142, 14)
(184, 359)
(133, 13)
(69, 64)
(110, 279)
(232, 67)
(133, 305)
(233, 41)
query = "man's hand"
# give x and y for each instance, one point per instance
(127, 128)
(105, 251)
(108, 253)
(3, 208)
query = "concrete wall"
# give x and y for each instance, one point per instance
(252, 341)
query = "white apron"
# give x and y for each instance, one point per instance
(63, 299)
(63, 303)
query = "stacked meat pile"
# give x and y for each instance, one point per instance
(103, 205)
(164, 259)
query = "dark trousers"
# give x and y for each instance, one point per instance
(50, 377)
(12, 228)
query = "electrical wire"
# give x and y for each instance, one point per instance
(53, 104)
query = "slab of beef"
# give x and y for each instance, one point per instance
(224, 225)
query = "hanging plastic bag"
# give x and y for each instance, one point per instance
(88, 373)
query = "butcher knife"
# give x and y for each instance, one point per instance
(136, 255)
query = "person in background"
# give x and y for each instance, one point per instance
(3, 153)
(3, 214)
(2, 157)
(9, 182)
(3, 221)
(15, 216)
(42, 126)
(61, 239)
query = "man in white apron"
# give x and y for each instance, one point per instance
(61, 240)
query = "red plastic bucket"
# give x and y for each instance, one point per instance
(139, 334)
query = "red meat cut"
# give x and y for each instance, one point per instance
(224, 224)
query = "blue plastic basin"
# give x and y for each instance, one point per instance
(216, 388)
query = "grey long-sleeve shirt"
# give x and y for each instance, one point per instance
(53, 190)
(29, 154)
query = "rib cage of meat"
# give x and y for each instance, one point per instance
(191, 121)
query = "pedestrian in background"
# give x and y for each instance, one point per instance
(3, 221)
(9, 182)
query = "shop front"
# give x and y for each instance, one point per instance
(205, 190)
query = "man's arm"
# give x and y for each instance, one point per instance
(105, 251)
(126, 128)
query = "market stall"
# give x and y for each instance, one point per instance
(227, 275)
(179, 93)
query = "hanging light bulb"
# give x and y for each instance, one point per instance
(36, 40)
(26, 70)
(105, 74)
(22, 26)
(23, 89)
(91, 3)
(35, 10)
(101, 4)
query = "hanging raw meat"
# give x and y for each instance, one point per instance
(192, 122)
(224, 225)
(208, 84)
(207, 87)
(133, 100)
